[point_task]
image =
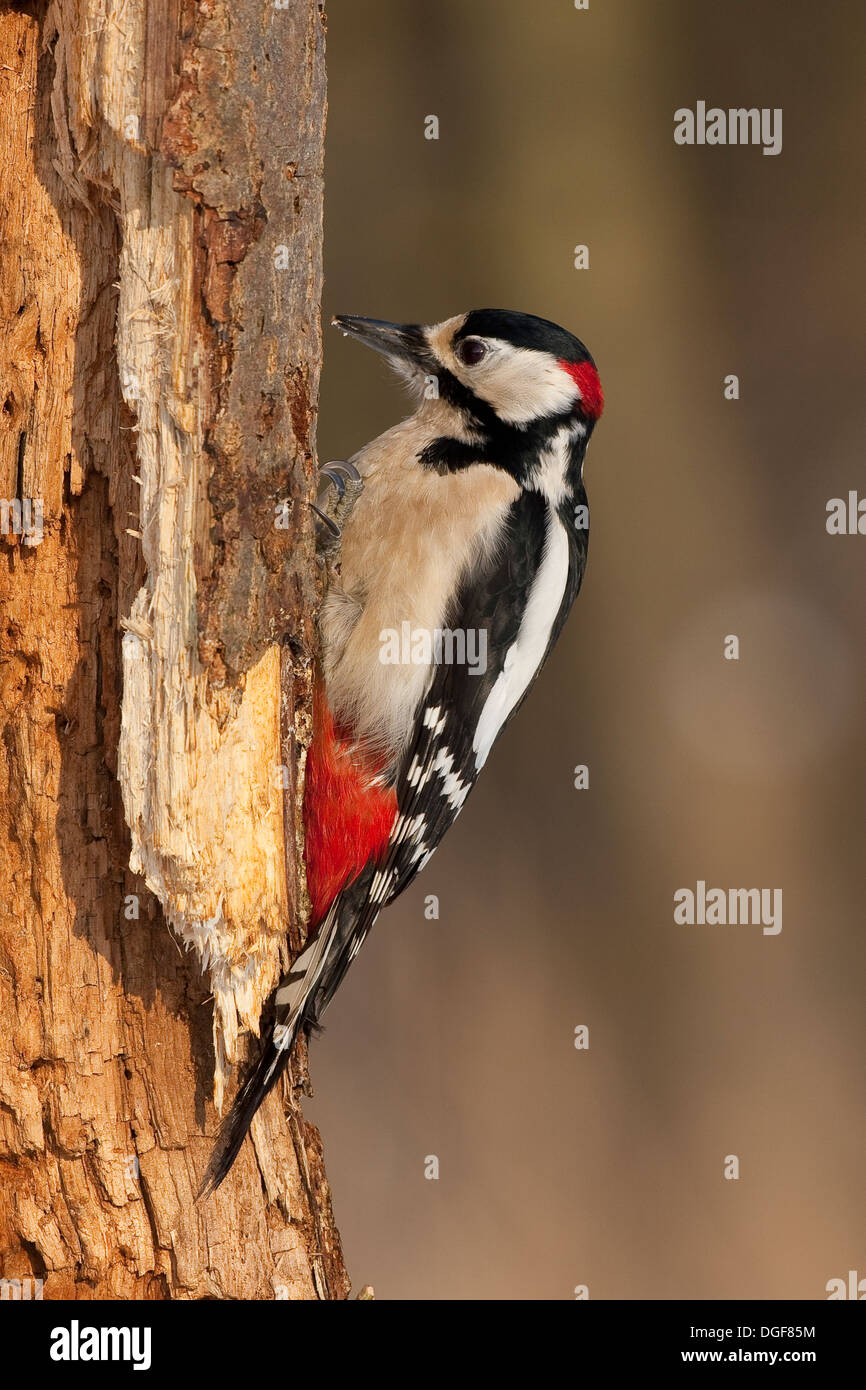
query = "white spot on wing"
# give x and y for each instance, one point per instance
(453, 785)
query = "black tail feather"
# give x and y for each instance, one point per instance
(296, 1004)
(262, 1079)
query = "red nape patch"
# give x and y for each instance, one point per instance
(588, 384)
(346, 821)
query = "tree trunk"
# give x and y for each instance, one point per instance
(160, 218)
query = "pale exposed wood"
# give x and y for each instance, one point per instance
(160, 413)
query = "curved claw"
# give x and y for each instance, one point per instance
(341, 466)
(327, 521)
(338, 472)
(336, 478)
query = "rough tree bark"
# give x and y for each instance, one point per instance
(160, 220)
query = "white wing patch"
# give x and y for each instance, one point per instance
(525, 655)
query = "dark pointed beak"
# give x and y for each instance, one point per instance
(400, 342)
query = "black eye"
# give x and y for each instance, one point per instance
(470, 351)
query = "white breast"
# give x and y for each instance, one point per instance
(525, 655)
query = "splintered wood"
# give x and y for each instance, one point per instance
(199, 762)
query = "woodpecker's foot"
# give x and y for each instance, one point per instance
(333, 514)
(339, 472)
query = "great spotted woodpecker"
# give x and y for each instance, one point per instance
(472, 519)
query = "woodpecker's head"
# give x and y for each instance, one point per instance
(496, 387)
(498, 367)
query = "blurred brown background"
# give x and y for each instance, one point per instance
(455, 1037)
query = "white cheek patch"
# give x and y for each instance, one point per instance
(520, 383)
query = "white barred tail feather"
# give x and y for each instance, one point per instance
(264, 1076)
(292, 1011)
(297, 1003)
